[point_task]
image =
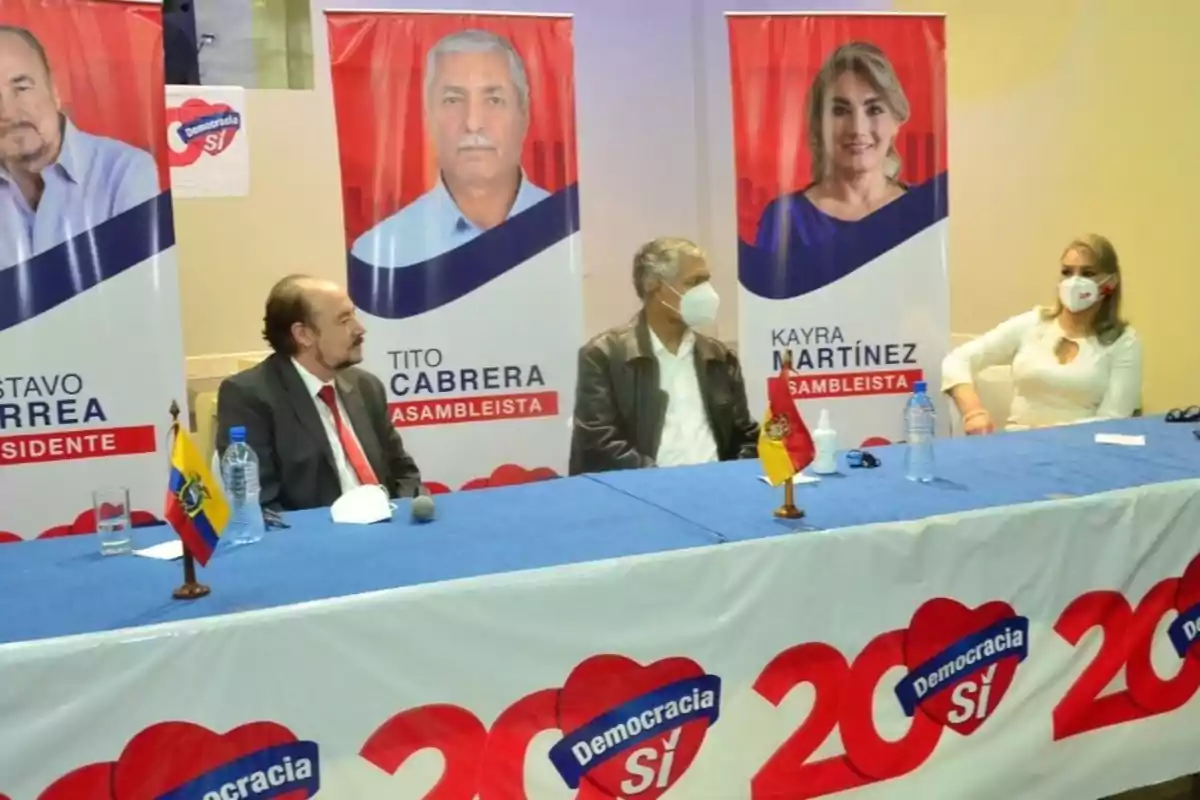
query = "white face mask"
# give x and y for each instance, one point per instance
(363, 505)
(1078, 293)
(698, 305)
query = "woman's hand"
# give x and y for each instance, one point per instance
(978, 423)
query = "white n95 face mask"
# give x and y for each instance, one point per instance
(698, 305)
(1078, 293)
(363, 505)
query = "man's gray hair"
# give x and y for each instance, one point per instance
(658, 261)
(474, 40)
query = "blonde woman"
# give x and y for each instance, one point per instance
(855, 110)
(1075, 362)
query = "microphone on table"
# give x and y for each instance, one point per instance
(422, 508)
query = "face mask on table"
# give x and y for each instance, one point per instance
(363, 505)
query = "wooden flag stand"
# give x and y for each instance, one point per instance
(788, 510)
(191, 588)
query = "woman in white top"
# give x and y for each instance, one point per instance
(1075, 362)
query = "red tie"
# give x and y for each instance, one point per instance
(366, 475)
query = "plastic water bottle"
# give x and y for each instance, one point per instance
(825, 443)
(239, 473)
(920, 427)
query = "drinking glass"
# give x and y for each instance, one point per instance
(112, 520)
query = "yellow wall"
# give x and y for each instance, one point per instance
(1069, 116)
(232, 250)
(1065, 116)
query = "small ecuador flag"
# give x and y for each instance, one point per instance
(196, 507)
(785, 446)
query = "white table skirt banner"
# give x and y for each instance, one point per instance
(1015, 652)
(456, 138)
(841, 161)
(91, 349)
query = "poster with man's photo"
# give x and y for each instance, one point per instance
(91, 350)
(456, 137)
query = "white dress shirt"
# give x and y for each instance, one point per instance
(1101, 382)
(430, 226)
(687, 436)
(346, 474)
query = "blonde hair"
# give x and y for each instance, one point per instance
(1107, 326)
(869, 63)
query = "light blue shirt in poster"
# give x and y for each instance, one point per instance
(94, 179)
(428, 227)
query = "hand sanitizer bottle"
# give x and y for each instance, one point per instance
(825, 443)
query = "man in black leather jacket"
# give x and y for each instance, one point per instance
(654, 392)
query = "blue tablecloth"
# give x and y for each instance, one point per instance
(63, 586)
(975, 472)
(59, 587)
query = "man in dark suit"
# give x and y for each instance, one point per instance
(654, 392)
(318, 424)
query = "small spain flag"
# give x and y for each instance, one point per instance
(785, 447)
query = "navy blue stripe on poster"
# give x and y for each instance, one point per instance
(408, 291)
(799, 249)
(59, 274)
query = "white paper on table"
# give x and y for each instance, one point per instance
(797, 479)
(167, 551)
(1121, 438)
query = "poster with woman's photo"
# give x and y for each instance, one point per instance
(840, 140)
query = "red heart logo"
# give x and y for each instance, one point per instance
(936, 626)
(93, 781)
(167, 755)
(7, 537)
(603, 683)
(85, 522)
(181, 153)
(1187, 596)
(509, 475)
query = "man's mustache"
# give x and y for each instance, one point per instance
(16, 126)
(358, 340)
(476, 141)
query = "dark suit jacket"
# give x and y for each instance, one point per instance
(284, 428)
(620, 409)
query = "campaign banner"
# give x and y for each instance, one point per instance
(840, 149)
(456, 137)
(91, 351)
(209, 145)
(1016, 652)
